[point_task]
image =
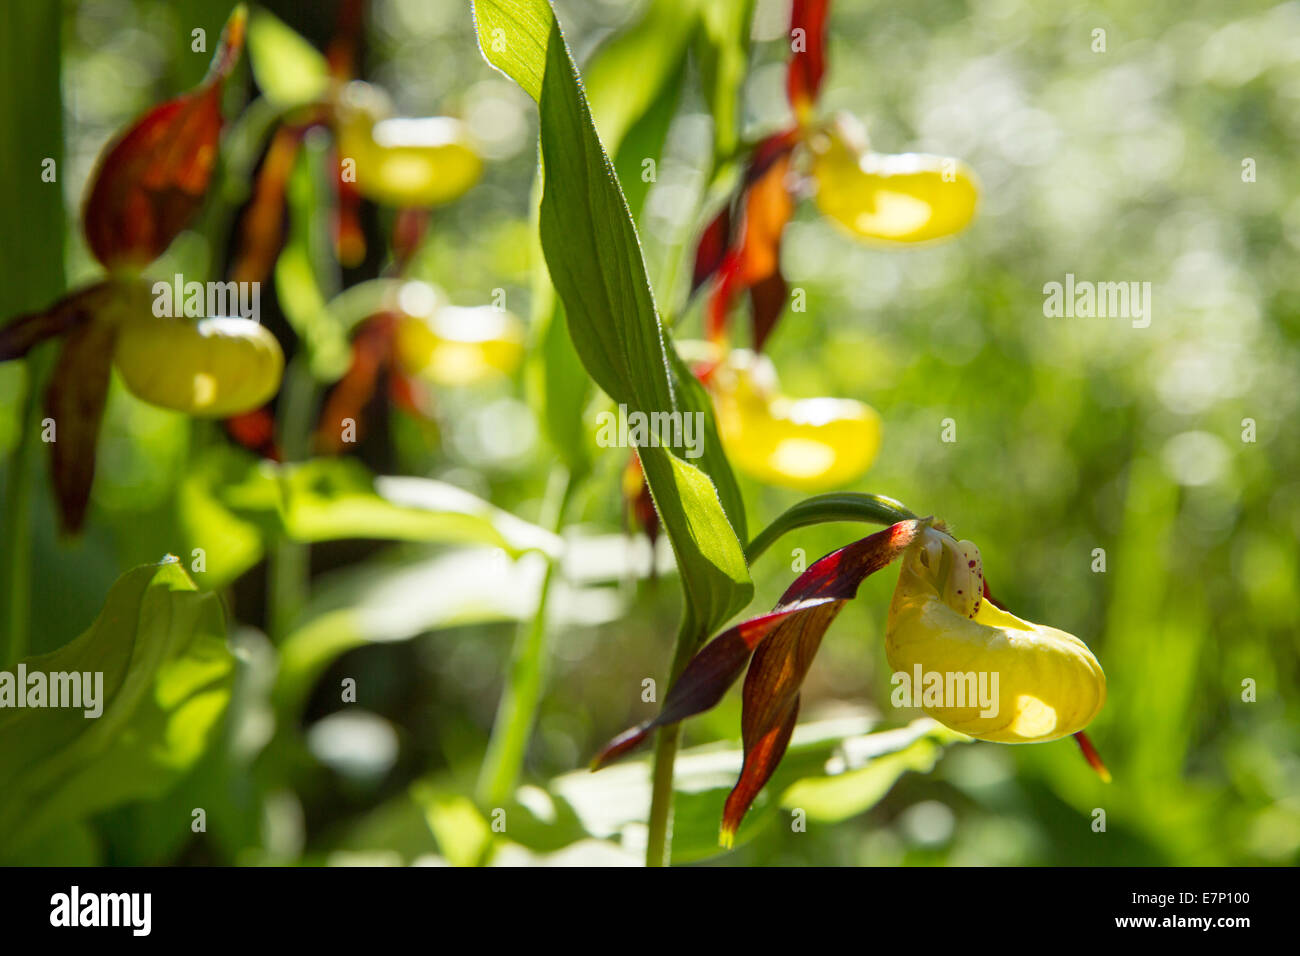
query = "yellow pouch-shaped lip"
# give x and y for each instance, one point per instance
(1048, 683)
(214, 367)
(460, 346)
(912, 197)
(404, 161)
(812, 444)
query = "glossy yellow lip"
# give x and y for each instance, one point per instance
(404, 161)
(1049, 684)
(460, 346)
(813, 444)
(907, 198)
(214, 368)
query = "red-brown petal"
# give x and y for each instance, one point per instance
(1090, 754)
(713, 244)
(25, 332)
(767, 299)
(152, 180)
(702, 683)
(261, 229)
(75, 400)
(762, 754)
(804, 74)
(371, 354)
(771, 697)
(802, 616)
(255, 430)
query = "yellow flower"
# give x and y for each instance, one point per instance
(401, 161)
(214, 367)
(452, 345)
(812, 444)
(1048, 683)
(913, 197)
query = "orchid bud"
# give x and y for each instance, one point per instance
(1048, 683)
(913, 197)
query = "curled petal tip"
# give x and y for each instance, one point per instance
(1090, 754)
(727, 837)
(620, 745)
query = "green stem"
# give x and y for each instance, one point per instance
(819, 509)
(16, 560)
(290, 561)
(658, 850)
(517, 712)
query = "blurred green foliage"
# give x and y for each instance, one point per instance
(1072, 435)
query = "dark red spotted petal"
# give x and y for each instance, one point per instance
(152, 180)
(803, 614)
(807, 66)
(75, 401)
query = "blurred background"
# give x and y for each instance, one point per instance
(1072, 434)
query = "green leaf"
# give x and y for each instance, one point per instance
(595, 262)
(306, 310)
(389, 599)
(289, 70)
(633, 83)
(327, 499)
(304, 272)
(160, 645)
(724, 61)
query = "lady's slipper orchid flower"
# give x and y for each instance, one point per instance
(215, 368)
(1040, 664)
(877, 197)
(1049, 684)
(453, 345)
(812, 444)
(422, 340)
(147, 186)
(403, 161)
(909, 198)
